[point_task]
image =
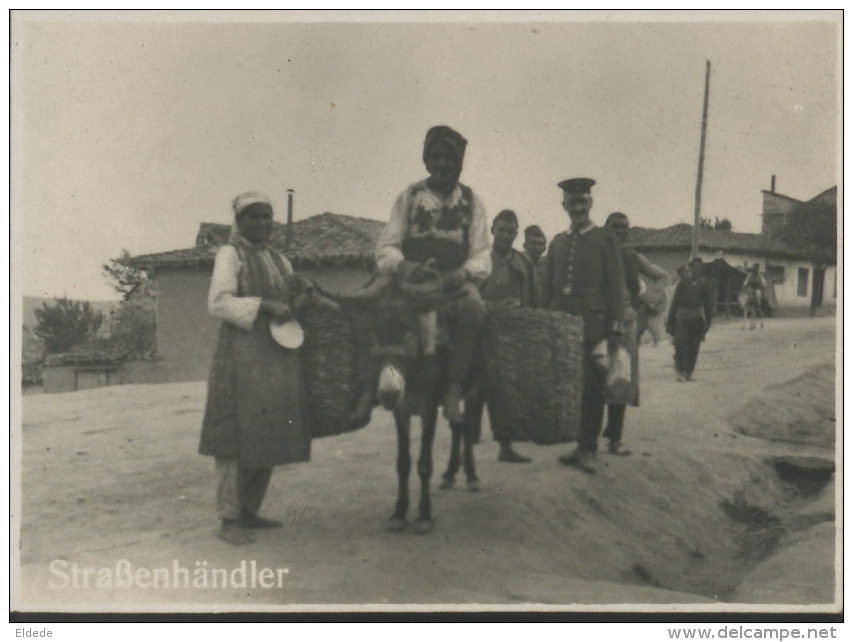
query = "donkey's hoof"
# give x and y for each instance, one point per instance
(446, 482)
(473, 485)
(397, 524)
(423, 526)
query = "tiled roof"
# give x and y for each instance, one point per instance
(111, 351)
(680, 237)
(321, 240)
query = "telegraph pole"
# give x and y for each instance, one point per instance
(696, 218)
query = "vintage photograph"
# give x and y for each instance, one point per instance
(426, 311)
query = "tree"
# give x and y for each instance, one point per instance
(123, 277)
(66, 324)
(135, 319)
(722, 224)
(718, 224)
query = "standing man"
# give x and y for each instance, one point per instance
(510, 285)
(635, 265)
(534, 249)
(689, 319)
(583, 276)
(440, 222)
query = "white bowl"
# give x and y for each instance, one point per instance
(288, 334)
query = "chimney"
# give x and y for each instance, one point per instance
(773, 183)
(288, 239)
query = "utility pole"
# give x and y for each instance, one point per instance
(696, 218)
(288, 239)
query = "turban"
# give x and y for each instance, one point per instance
(444, 134)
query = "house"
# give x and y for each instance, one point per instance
(787, 269)
(97, 363)
(333, 249)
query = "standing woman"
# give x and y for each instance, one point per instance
(256, 415)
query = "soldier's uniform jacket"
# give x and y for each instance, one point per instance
(583, 276)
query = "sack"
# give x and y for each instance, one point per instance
(619, 389)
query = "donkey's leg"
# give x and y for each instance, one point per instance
(428, 421)
(449, 476)
(404, 466)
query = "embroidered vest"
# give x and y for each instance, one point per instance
(439, 234)
(262, 273)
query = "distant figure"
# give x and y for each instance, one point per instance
(753, 293)
(634, 265)
(689, 319)
(256, 413)
(510, 285)
(535, 244)
(583, 276)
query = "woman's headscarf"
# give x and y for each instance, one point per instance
(240, 204)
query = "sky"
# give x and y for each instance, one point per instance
(127, 134)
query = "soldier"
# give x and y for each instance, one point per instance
(583, 276)
(689, 319)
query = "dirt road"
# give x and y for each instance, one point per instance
(698, 515)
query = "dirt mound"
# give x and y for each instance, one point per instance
(800, 411)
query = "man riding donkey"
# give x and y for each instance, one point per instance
(438, 230)
(753, 295)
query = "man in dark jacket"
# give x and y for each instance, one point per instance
(583, 276)
(510, 285)
(689, 319)
(535, 245)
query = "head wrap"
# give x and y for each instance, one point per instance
(243, 202)
(444, 134)
(245, 199)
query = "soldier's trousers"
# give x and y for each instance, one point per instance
(592, 400)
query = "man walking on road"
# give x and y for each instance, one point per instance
(689, 319)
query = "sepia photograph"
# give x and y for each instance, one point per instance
(452, 312)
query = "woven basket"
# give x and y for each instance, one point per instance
(328, 364)
(533, 374)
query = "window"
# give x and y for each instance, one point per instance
(802, 282)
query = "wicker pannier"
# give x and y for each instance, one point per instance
(328, 364)
(533, 374)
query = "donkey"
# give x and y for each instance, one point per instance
(750, 300)
(415, 384)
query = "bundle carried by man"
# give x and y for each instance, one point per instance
(533, 372)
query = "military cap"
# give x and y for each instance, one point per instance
(577, 185)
